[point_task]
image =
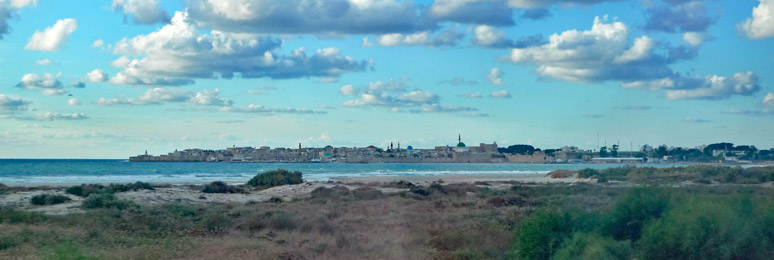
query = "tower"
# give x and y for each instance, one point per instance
(390, 145)
(459, 138)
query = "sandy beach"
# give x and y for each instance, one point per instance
(190, 192)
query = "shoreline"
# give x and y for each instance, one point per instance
(539, 177)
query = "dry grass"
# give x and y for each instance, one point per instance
(454, 221)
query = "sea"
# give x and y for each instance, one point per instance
(68, 171)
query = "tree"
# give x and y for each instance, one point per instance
(603, 151)
(614, 151)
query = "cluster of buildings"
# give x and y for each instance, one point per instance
(461, 153)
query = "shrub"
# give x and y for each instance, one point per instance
(602, 179)
(276, 178)
(560, 174)
(106, 201)
(702, 229)
(325, 193)
(590, 246)
(421, 191)
(220, 187)
(587, 173)
(542, 233)
(84, 190)
(401, 184)
(49, 199)
(632, 212)
(131, 186)
(366, 193)
(3, 186)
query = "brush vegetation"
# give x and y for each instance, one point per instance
(276, 178)
(436, 221)
(84, 190)
(49, 199)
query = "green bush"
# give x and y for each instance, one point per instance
(220, 187)
(632, 212)
(49, 199)
(703, 229)
(587, 173)
(591, 246)
(106, 201)
(84, 190)
(276, 178)
(130, 187)
(542, 233)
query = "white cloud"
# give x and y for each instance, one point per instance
(500, 94)
(56, 116)
(471, 95)
(347, 90)
(73, 102)
(768, 100)
(209, 98)
(97, 75)
(445, 38)
(693, 38)
(494, 76)
(680, 15)
(310, 16)
(715, 87)
(418, 96)
(8, 103)
(142, 11)
(491, 37)
(443, 109)
(761, 24)
(98, 43)
(178, 53)
(48, 83)
(602, 54)
(52, 38)
(16, 4)
(457, 81)
(7, 11)
(258, 109)
(44, 62)
(158, 96)
(639, 51)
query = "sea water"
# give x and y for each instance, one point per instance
(20, 171)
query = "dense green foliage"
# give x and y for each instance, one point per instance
(49, 199)
(653, 223)
(84, 190)
(221, 187)
(276, 178)
(106, 201)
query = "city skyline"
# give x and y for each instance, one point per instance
(110, 79)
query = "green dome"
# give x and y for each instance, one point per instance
(460, 144)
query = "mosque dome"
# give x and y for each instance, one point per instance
(410, 147)
(460, 144)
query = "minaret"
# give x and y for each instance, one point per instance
(390, 145)
(299, 146)
(459, 138)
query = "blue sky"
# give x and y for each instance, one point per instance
(113, 78)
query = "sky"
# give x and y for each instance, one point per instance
(114, 78)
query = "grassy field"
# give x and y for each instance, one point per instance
(439, 221)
